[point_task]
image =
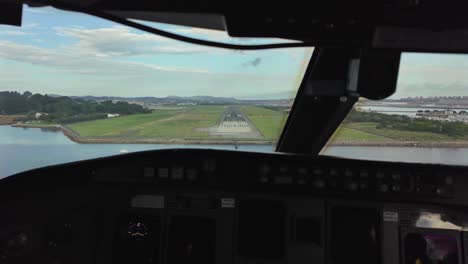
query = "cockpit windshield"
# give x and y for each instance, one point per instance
(77, 87)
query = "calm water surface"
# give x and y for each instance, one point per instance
(27, 148)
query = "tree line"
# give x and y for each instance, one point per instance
(406, 123)
(62, 108)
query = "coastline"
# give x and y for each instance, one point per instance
(75, 137)
(414, 144)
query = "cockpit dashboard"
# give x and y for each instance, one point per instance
(213, 206)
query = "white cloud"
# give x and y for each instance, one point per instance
(30, 25)
(78, 64)
(15, 33)
(38, 10)
(121, 41)
(414, 73)
(124, 41)
(98, 61)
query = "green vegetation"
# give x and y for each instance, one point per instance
(183, 123)
(268, 122)
(364, 126)
(396, 134)
(62, 109)
(350, 134)
(453, 130)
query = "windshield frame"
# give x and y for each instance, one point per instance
(323, 99)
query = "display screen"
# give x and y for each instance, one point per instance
(428, 248)
(138, 240)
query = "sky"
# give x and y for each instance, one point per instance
(66, 53)
(430, 74)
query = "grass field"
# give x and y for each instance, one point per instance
(185, 123)
(190, 123)
(268, 122)
(388, 134)
(349, 134)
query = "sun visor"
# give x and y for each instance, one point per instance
(378, 73)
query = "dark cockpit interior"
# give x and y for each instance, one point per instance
(212, 206)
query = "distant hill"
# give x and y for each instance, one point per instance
(171, 100)
(207, 99)
(271, 96)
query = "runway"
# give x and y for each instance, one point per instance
(234, 124)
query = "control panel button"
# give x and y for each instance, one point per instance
(301, 176)
(443, 191)
(352, 186)
(148, 172)
(396, 176)
(333, 183)
(191, 174)
(283, 180)
(318, 171)
(383, 188)
(264, 169)
(319, 183)
(363, 174)
(380, 175)
(396, 188)
(209, 166)
(264, 179)
(163, 173)
(283, 170)
(177, 172)
(348, 173)
(449, 180)
(333, 172)
(363, 186)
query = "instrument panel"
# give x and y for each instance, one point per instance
(210, 206)
(283, 173)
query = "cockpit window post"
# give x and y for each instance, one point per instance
(325, 97)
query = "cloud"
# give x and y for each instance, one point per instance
(102, 60)
(15, 33)
(255, 62)
(78, 64)
(122, 41)
(436, 79)
(30, 25)
(39, 10)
